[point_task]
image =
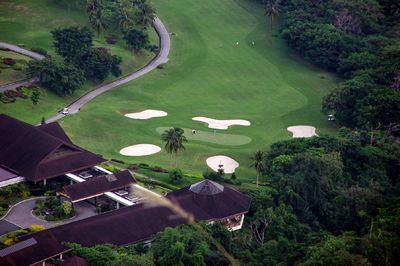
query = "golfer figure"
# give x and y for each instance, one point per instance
(193, 132)
(237, 44)
(253, 43)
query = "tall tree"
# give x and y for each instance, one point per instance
(272, 9)
(94, 9)
(258, 162)
(72, 41)
(125, 14)
(145, 12)
(174, 139)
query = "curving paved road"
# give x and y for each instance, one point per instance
(161, 58)
(25, 52)
(20, 214)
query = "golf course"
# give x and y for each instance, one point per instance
(29, 24)
(209, 75)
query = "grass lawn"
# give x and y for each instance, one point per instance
(29, 22)
(9, 74)
(208, 76)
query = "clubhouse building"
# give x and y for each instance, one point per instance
(40, 153)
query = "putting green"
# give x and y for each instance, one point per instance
(212, 137)
(207, 75)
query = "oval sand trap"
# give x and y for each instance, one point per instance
(221, 124)
(147, 114)
(228, 164)
(302, 131)
(140, 150)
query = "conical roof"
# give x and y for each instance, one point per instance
(206, 187)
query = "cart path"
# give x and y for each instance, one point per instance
(19, 50)
(161, 58)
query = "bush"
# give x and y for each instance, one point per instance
(117, 161)
(144, 166)
(17, 67)
(158, 169)
(112, 39)
(14, 94)
(176, 175)
(36, 228)
(211, 175)
(39, 50)
(67, 207)
(9, 61)
(133, 166)
(109, 168)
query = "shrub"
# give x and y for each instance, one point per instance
(36, 228)
(17, 67)
(211, 175)
(112, 39)
(117, 161)
(9, 61)
(144, 166)
(133, 166)
(67, 207)
(9, 242)
(109, 168)
(158, 169)
(39, 50)
(14, 94)
(5, 99)
(176, 175)
(152, 48)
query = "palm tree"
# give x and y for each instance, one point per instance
(258, 162)
(145, 12)
(125, 15)
(174, 139)
(94, 10)
(272, 9)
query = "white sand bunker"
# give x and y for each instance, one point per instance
(147, 114)
(302, 131)
(220, 161)
(140, 150)
(221, 124)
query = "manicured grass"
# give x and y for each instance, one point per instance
(7, 73)
(208, 76)
(211, 137)
(29, 22)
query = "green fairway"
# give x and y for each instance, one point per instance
(28, 23)
(207, 75)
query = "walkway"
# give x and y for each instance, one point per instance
(21, 214)
(25, 52)
(161, 58)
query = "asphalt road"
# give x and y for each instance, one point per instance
(161, 58)
(21, 214)
(22, 51)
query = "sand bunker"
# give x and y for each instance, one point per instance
(221, 124)
(147, 114)
(228, 164)
(140, 150)
(302, 131)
